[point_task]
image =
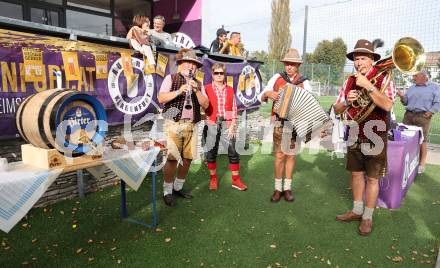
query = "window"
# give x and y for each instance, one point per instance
(44, 16)
(88, 22)
(108, 17)
(55, 2)
(125, 11)
(11, 10)
(96, 5)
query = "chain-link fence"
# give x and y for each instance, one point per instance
(326, 81)
(356, 19)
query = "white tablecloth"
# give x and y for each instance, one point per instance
(131, 166)
(20, 188)
(22, 185)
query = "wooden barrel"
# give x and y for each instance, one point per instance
(79, 119)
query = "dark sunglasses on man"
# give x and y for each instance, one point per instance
(218, 73)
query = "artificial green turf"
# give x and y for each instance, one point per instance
(229, 228)
(399, 110)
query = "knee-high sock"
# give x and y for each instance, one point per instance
(178, 184)
(279, 184)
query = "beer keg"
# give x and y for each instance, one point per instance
(67, 120)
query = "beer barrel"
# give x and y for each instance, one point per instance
(79, 118)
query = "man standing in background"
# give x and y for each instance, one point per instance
(422, 100)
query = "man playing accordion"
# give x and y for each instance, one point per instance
(284, 161)
(367, 142)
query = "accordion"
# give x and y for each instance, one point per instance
(302, 111)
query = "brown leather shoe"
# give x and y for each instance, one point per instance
(349, 216)
(365, 227)
(288, 196)
(276, 196)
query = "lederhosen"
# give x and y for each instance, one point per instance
(356, 159)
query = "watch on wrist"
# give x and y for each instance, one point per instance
(371, 89)
(345, 102)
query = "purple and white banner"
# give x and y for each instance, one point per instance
(29, 63)
(243, 77)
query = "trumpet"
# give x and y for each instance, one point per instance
(188, 98)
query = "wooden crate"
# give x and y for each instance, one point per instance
(51, 158)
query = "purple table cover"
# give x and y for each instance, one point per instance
(403, 162)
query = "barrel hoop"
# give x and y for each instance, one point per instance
(53, 114)
(41, 117)
(20, 121)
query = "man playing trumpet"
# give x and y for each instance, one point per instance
(362, 160)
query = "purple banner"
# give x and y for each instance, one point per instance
(403, 161)
(29, 63)
(247, 74)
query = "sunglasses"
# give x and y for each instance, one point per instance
(218, 73)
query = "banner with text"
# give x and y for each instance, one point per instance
(30, 63)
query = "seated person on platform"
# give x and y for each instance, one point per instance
(158, 35)
(234, 46)
(220, 41)
(139, 35)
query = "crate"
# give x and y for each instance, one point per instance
(52, 159)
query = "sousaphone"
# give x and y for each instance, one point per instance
(408, 57)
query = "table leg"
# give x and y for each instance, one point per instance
(124, 213)
(153, 178)
(80, 182)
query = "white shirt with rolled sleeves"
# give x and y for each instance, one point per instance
(271, 83)
(166, 87)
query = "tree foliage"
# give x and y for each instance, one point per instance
(330, 52)
(265, 69)
(328, 62)
(279, 35)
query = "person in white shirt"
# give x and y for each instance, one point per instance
(284, 163)
(158, 33)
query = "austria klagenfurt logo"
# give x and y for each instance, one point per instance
(132, 97)
(249, 86)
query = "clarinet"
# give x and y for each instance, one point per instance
(188, 98)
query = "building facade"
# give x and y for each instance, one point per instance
(108, 17)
